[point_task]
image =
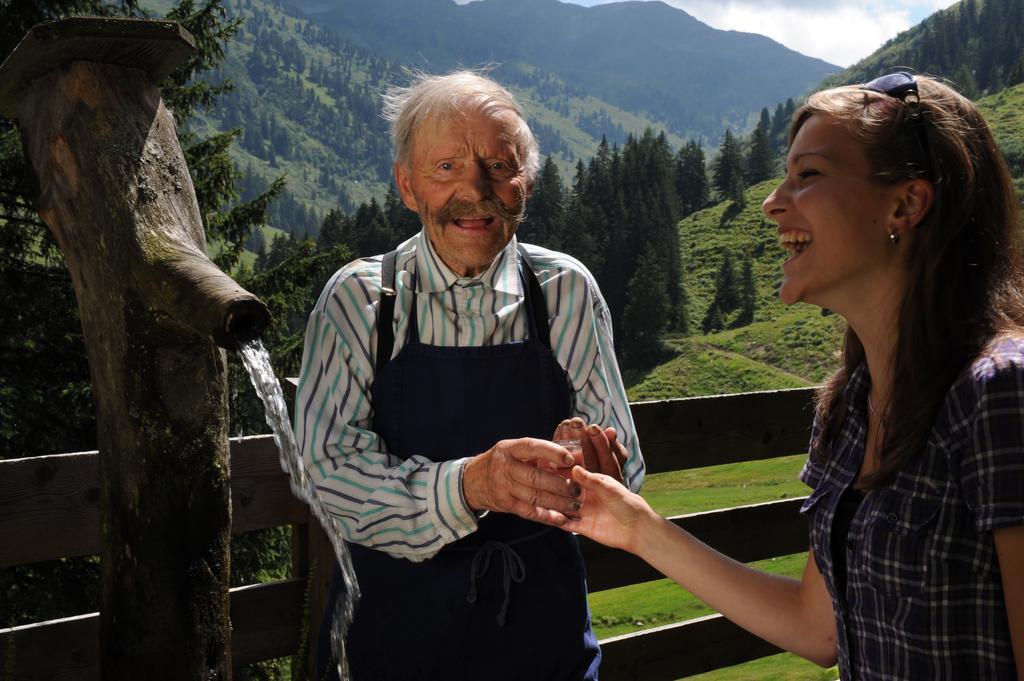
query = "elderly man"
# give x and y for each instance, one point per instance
(433, 377)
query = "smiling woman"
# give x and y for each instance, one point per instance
(900, 215)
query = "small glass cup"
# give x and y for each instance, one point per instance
(575, 447)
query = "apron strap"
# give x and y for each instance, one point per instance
(513, 570)
(536, 306)
(385, 320)
(513, 567)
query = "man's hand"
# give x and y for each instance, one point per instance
(602, 451)
(506, 479)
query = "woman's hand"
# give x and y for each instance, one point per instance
(611, 514)
(794, 615)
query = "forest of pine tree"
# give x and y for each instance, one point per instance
(619, 217)
(977, 44)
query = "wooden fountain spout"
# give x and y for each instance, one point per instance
(113, 187)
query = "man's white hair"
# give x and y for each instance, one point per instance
(430, 97)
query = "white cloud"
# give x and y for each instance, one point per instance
(839, 31)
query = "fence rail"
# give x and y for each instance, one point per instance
(49, 508)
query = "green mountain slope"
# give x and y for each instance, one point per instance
(704, 235)
(977, 44)
(1004, 111)
(700, 368)
(640, 56)
(786, 346)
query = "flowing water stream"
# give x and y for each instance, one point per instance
(257, 363)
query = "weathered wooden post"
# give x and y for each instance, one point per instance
(113, 187)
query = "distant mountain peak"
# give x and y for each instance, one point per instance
(644, 56)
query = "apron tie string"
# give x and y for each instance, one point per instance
(514, 570)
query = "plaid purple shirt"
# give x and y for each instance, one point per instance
(924, 598)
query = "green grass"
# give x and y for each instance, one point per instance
(801, 342)
(796, 349)
(783, 667)
(737, 484)
(651, 604)
(702, 369)
(703, 235)
(1004, 111)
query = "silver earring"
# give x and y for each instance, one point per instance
(894, 237)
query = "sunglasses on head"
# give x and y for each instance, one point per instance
(902, 86)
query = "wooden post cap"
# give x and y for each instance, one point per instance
(154, 47)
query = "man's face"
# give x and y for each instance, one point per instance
(464, 179)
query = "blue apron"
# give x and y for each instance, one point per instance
(507, 602)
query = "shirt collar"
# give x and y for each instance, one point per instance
(433, 276)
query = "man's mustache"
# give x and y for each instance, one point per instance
(455, 209)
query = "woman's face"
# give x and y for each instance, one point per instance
(834, 219)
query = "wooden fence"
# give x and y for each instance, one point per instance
(49, 508)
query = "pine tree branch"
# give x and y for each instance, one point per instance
(22, 221)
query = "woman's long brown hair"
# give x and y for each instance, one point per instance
(965, 270)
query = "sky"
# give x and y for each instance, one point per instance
(839, 31)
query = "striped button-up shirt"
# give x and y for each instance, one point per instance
(412, 507)
(924, 596)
